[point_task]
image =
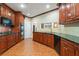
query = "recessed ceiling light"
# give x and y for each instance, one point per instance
(47, 6)
(22, 6)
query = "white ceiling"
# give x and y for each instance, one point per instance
(32, 9)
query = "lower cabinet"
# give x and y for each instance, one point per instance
(17, 37)
(77, 50)
(40, 37)
(50, 41)
(3, 44)
(69, 48)
(37, 36)
(34, 36)
(10, 40)
(44, 38)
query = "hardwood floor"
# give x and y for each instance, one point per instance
(28, 47)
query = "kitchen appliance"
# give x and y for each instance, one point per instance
(22, 30)
(57, 43)
(6, 22)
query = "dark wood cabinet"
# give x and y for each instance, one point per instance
(50, 41)
(7, 12)
(40, 37)
(12, 17)
(16, 29)
(2, 10)
(17, 37)
(44, 38)
(16, 17)
(62, 14)
(77, 10)
(68, 13)
(19, 18)
(10, 40)
(3, 44)
(69, 48)
(35, 36)
(76, 50)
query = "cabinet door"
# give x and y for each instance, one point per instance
(3, 11)
(76, 50)
(67, 48)
(21, 19)
(7, 12)
(77, 10)
(34, 36)
(13, 18)
(3, 44)
(64, 51)
(11, 40)
(17, 18)
(70, 12)
(45, 38)
(50, 41)
(62, 14)
(17, 37)
(40, 38)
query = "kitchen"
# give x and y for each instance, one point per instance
(52, 27)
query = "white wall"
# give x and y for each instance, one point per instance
(51, 17)
(46, 18)
(27, 28)
(72, 29)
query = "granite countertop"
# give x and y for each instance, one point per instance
(46, 33)
(66, 36)
(6, 33)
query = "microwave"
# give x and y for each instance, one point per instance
(5, 21)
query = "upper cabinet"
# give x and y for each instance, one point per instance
(77, 10)
(16, 17)
(62, 14)
(19, 18)
(2, 10)
(69, 13)
(7, 12)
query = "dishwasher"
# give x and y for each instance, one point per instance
(57, 43)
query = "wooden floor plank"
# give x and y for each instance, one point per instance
(28, 47)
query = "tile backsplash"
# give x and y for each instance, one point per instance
(4, 29)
